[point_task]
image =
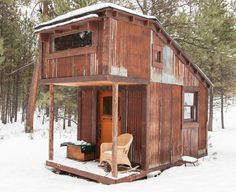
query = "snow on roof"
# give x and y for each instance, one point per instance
(66, 22)
(89, 9)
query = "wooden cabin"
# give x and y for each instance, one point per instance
(132, 78)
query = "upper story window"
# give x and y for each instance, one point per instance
(76, 40)
(190, 106)
(157, 56)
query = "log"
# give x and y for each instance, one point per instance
(114, 128)
(51, 121)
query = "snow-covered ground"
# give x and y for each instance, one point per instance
(22, 169)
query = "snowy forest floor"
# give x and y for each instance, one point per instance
(22, 163)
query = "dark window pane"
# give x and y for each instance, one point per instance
(107, 105)
(81, 39)
(157, 57)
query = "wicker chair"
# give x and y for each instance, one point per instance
(124, 142)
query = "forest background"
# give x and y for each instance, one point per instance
(205, 29)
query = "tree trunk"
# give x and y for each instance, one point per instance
(222, 109)
(32, 100)
(64, 119)
(69, 118)
(210, 110)
(34, 86)
(16, 97)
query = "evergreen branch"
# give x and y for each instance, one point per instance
(21, 68)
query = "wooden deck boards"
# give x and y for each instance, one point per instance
(93, 176)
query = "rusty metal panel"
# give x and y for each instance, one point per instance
(165, 126)
(203, 111)
(190, 141)
(134, 122)
(171, 71)
(189, 78)
(154, 125)
(129, 49)
(88, 116)
(63, 67)
(165, 140)
(176, 134)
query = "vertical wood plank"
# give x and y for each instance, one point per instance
(79, 113)
(51, 121)
(146, 128)
(114, 128)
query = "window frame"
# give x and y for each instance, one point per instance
(157, 49)
(194, 117)
(54, 36)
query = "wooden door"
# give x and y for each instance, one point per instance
(105, 117)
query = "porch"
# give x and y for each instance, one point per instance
(126, 115)
(90, 170)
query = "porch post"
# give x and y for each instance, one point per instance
(51, 121)
(114, 128)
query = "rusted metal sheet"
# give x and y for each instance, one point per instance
(176, 132)
(129, 50)
(189, 78)
(154, 125)
(134, 122)
(165, 140)
(190, 141)
(165, 135)
(172, 69)
(88, 116)
(203, 111)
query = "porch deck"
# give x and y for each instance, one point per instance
(91, 170)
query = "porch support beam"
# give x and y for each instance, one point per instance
(114, 128)
(51, 122)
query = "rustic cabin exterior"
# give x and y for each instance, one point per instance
(132, 78)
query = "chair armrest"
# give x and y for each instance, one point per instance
(105, 147)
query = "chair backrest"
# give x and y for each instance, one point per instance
(125, 140)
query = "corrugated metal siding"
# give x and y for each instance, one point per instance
(154, 129)
(88, 120)
(203, 111)
(172, 68)
(129, 49)
(135, 122)
(165, 135)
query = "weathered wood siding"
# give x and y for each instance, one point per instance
(203, 117)
(87, 108)
(195, 133)
(172, 69)
(135, 122)
(119, 48)
(165, 139)
(129, 49)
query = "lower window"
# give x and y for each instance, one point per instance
(190, 106)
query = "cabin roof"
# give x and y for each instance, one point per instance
(90, 12)
(46, 27)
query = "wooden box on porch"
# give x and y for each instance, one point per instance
(75, 152)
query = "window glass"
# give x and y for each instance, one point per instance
(107, 105)
(190, 106)
(187, 112)
(81, 39)
(188, 98)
